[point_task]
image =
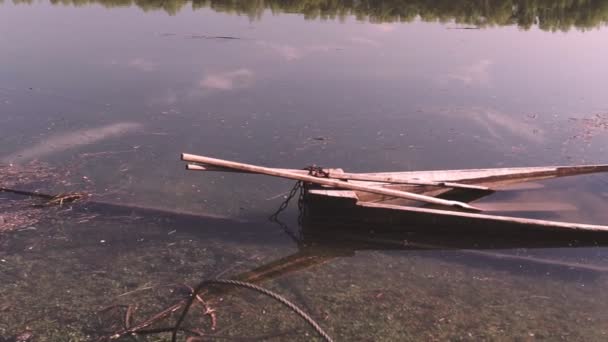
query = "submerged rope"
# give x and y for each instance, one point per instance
(254, 287)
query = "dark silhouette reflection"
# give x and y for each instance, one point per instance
(124, 226)
(96, 251)
(563, 254)
(547, 14)
(532, 252)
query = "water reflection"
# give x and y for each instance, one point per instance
(229, 80)
(71, 140)
(334, 271)
(290, 93)
(548, 15)
(477, 73)
(497, 125)
(292, 53)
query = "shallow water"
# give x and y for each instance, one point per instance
(114, 91)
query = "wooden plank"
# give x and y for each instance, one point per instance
(477, 176)
(325, 181)
(526, 206)
(339, 174)
(479, 179)
(432, 177)
(522, 186)
(334, 193)
(491, 218)
(200, 167)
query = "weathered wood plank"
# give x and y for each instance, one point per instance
(481, 176)
(341, 175)
(526, 206)
(490, 218)
(324, 181)
(475, 179)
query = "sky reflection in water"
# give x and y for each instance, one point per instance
(364, 95)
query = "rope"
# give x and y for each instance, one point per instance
(250, 286)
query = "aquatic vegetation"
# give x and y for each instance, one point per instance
(61, 277)
(18, 211)
(26, 194)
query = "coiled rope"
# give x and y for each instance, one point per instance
(254, 287)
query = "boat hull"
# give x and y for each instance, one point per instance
(325, 211)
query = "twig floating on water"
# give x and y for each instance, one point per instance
(95, 154)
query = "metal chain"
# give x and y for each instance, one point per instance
(317, 171)
(297, 187)
(302, 209)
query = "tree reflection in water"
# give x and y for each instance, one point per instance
(551, 15)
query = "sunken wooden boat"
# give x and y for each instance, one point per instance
(442, 199)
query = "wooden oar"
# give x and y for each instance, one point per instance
(526, 206)
(325, 181)
(331, 173)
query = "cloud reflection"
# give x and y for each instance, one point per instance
(292, 53)
(474, 74)
(235, 79)
(497, 124)
(71, 140)
(142, 64)
(386, 28)
(288, 52)
(364, 41)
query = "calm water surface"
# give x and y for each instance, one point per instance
(114, 91)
